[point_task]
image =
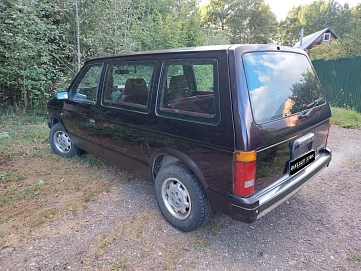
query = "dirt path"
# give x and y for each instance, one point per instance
(317, 229)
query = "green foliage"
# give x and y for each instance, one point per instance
(314, 17)
(18, 116)
(346, 118)
(243, 21)
(38, 48)
(38, 41)
(28, 32)
(346, 47)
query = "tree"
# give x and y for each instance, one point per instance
(42, 41)
(314, 17)
(28, 32)
(243, 21)
(346, 47)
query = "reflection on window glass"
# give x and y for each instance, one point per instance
(190, 89)
(280, 84)
(128, 83)
(86, 88)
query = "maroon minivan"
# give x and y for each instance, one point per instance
(239, 128)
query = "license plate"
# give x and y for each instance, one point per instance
(301, 162)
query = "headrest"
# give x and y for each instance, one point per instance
(135, 85)
(178, 82)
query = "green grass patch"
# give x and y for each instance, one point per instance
(2, 243)
(355, 257)
(13, 194)
(6, 219)
(36, 185)
(18, 116)
(346, 118)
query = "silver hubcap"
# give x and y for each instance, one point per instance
(62, 142)
(176, 198)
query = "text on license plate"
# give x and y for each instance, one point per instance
(301, 162)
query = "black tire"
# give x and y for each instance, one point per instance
(181, 197)
(61, 143)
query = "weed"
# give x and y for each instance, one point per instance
(88, 198)
(261, 253)
(355, 257)
(104, 243)
(3, 176)
(2, 243)
(346, 118)
(128, 177)
(134, 226)
(353, 164)
(4, 135)
(191, 265)
(73, 208)
(77, 185)
(49, 213)
(201, 243)
(6, 219)
(21, 178)
(12, 195)
(93, 161)
(33, 222)
(119, 265)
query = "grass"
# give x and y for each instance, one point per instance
(346, 118)
(37, 186)
(120, 264)
(355, 257)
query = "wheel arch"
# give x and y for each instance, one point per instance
(56, 119)
(164, 156)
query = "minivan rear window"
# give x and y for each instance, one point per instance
(280, 84)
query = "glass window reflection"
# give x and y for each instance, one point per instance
(280, 84)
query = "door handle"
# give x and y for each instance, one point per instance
(92, 122)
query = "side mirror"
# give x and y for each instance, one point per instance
(62, 95)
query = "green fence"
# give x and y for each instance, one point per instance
(341, 81)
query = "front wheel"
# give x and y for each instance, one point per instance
(181, 198)
(61, 143)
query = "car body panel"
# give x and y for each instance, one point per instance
(142, 140)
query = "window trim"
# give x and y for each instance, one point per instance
(132, 107)
(80, 77)
(195, 117)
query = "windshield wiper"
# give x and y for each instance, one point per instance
(311, 106)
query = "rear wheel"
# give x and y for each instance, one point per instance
(61, 143)
(181, 197)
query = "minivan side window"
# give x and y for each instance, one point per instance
(127, 84)
(189, 90)
(85, 88)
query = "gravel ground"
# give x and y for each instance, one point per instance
(319, 228)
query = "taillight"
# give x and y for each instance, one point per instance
(244, 172)
(328, 131)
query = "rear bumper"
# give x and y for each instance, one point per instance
(250, 209)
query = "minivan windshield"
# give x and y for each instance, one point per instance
(280, 84)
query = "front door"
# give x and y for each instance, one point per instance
(80, 111)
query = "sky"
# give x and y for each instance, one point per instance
(280, 8)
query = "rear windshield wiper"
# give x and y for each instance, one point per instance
(311, 106)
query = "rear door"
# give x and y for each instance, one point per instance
(290, 114)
